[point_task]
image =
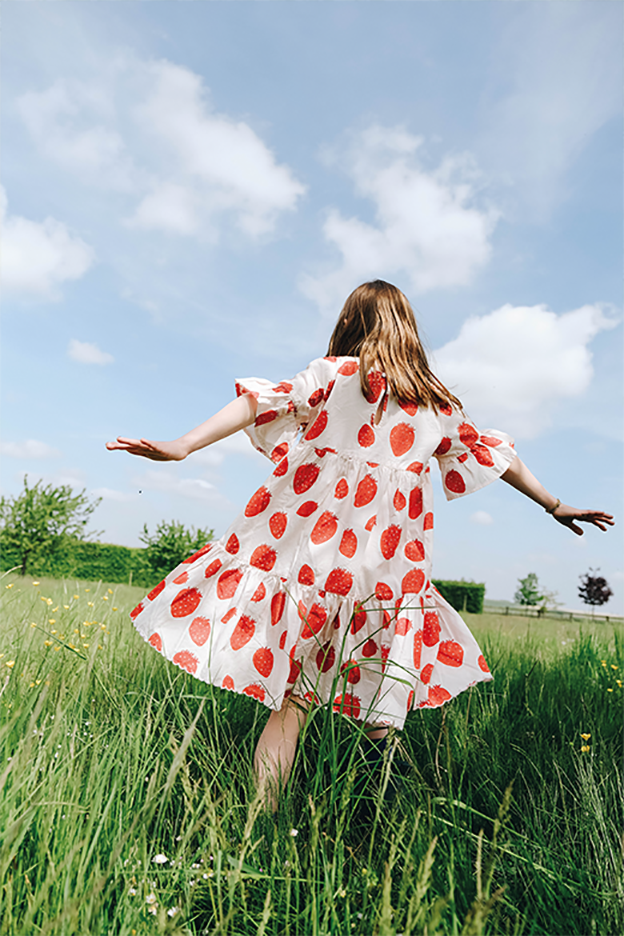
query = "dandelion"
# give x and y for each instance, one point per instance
(585, 737)
(585, 749)
(160, 859)
(294, 832)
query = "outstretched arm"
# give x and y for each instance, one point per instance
(236, 415)
(519, 476)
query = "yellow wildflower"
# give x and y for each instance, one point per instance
(47, 643)
(10, 586)
(76, 596)
(51, 620)
(90, 603)
(48, 601)
(115, 609)
(31, 685)
(619, 682)
(86, 646)
(54, 630)
(33, 624)
(54, 610)
(609, 690)
(613, 666)
(87, 589)
(37, 681)
(35, 583)
(110, 591)
(585, 748)
(585, 737)
(57, 648)
(66, 607)
(9, 663)
(104, 597)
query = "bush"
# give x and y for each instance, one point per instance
(171, 544)
(463, 596)
(92, 561)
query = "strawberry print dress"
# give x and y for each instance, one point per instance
(322, 585)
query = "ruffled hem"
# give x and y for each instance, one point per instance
(485, 457)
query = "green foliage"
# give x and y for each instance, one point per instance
(171, 544)
(112, 756)
(93, 562)
(41, 520)
(463, 596)
(529, 591)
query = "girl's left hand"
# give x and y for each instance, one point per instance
(567, 515)
(157, 451)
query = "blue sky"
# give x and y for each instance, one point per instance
(190, 191)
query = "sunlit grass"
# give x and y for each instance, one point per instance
(128, 804)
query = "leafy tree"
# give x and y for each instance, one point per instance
(41, 519)
(171, 543)
(529, 591)
(594, 589)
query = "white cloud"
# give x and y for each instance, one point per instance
(111, 494)
(516, 364)
(168, 207)
(482, 517)
(171, 483)
(31, 448)
(428, 225)
(38, 256)
(87, 353)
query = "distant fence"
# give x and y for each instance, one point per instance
(528, 611)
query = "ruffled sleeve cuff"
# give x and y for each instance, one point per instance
(485, 457)
(278, 418)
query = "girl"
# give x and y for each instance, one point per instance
(321, 590)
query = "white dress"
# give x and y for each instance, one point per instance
(321, 587)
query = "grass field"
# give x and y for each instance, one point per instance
(507, 818)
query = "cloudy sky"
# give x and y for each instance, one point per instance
(190, 190)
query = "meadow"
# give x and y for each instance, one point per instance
(127, 798)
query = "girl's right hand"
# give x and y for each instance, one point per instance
(157, 451)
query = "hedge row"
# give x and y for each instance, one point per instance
(463, 596)
(92, 561)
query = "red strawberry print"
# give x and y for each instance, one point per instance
(366, 491)
(389, 541)
(322, 452)
(446, 408)
(455, 482)
(377, 383)
(371, 523)
(266, 417)
(443, 447)
(324, 528)
(451, 653)
(278, 603)
(279, 452)
(348, 544)
(387, 620)
(199, 631)
(330, 387)
(415, 551)
(281, 469)
(372, 464)
(305, 476)
(416, 467)
(213, 568)
(325, 658)
(282, 640)
(482, 455)
(232, 546)
(383, 592)
(306, 575)
(339, 582)
(415, 503)
(352, 670)
(283, 387)
(295, 667)
(258, 502)
(156, 642)
(366, 436)
(490, 440)
(243, 632)
(413, 582)
(240, 390)
(255, 691)
(263, 557)
(399, 501)
(431, 629)
(157, 590)
(385, 653)
(228, 583)
(410, 408)
(319, 425)
(307, 509)
(401, 438)
(227, 617)
(263, 661)
(482, 664)
(317, 397)
(199, 553)
(369, 649)
(277, 524)
(418, 641)
(403, 626)
(348, 368)
(425, 673)
(259, 593)
(186, 660)
(464, 457)
(348, 704)
(313, 621)
(228, 682)
(342, 489)
(185, 602)
(180, 579)
(438, 695)
(467, 434)
(410, 700)
(302, 610)
(428, 522)
(359, 619)
(336, 624)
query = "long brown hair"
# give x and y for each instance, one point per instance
(377, 324)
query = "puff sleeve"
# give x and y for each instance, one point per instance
(469, 459)
(285, 408)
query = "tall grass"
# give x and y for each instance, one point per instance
(487, 818)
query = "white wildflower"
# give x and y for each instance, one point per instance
(294, 832)
(160, 859)
(172, 911)
(150, 899)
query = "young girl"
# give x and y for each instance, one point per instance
(321, 589)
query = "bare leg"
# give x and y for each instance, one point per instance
(276, 748)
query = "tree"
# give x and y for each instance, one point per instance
(529, 591)
(594, 589)
(171, 543)
(41, 519)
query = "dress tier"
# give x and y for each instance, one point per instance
(322, 586)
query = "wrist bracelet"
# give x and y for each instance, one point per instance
(552, 509)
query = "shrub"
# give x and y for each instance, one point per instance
(463, 596)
